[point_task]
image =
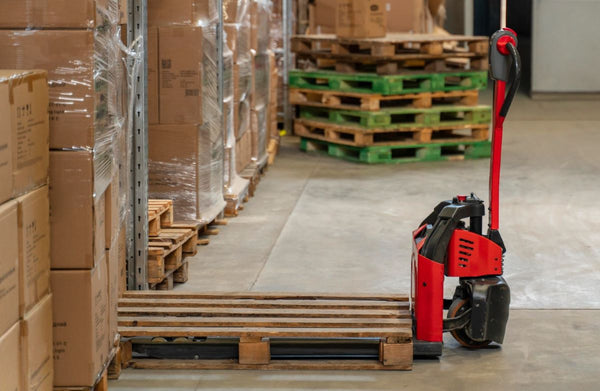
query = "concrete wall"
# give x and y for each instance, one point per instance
(566, 46)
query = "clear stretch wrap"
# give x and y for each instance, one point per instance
(81, 51)
(276, 29)
(228, 114)
(186, 155)
(260, 21)
(260, 103)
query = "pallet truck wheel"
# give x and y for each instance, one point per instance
(458, 307)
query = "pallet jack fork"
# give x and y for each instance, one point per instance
(444, 245)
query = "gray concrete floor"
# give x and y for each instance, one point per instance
(320, 224)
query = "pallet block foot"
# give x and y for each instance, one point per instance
(254, 351)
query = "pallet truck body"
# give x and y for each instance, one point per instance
(444, 245)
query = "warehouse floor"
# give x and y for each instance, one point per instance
(318, 224)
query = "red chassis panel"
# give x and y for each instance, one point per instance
(472, 255)
(427, 294)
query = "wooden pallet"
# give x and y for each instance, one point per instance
(401, 118)
(359, 137)
(375, 102)
(392, 44)
(160, 214)
(253, 321)
(254, 173)
(167, 250)
(393, 54)
(410, 83)
(403, 153)
(236, 195)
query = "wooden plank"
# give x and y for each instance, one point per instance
(267, 312)
(254, 352)
(251, 303)
(266, 296)
(313, 332)
(155, 321)
(396, 353)
(273, 365)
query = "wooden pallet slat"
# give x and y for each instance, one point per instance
(375, 102)
(403, 117)
(160, 214)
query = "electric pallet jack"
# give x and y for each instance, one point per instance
(444, 245)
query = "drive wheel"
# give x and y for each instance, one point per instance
(458, 307)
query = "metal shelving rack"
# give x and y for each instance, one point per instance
(137, 245)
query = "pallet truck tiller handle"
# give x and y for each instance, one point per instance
(505, 68)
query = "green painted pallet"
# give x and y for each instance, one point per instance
(399, 118)
(388, 85)
(401, 153)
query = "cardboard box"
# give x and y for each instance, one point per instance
(36, 347)
(406, 16)
(10, 359)
(77, 216)
(179, 167)
(68, 56)
(259, 129)
(243, 152)
(9, 266)
(180, 12)
(34, 248)
(235, 11)
(260, 22)
(260, 80)
(361, 19)
(180, 78)
(23, 131)
(402, 16)
(112, 212)
(153, 101)
(123, 12)
(80, 331)
(242, 88)
(112, 286)
(47, 14)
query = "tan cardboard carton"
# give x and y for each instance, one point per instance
(47, 14)
(179, 156)
(112, 213)
(10, 359)
(9, 266)
(77, 216)
(180, 77)
(80, 324)
(36, 346)
(34, 248)
(68, 56)
(112, 257)
(153, 101)
(123, 12)
(180, 12)
(402, 16)
(243, 152)
(361, 19)
(23, 131)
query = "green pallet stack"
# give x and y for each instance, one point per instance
(419, 103)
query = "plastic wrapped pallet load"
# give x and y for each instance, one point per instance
(183, 36)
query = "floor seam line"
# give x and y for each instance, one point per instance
(287, 220)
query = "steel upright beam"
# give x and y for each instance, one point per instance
(137, 261)
(287, 61)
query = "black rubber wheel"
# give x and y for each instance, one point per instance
(458, 307)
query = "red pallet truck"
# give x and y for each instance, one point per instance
(450, 242)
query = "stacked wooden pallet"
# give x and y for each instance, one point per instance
(393, 99)
(169, 244)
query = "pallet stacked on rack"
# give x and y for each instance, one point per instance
(395, 99)
(169, 245)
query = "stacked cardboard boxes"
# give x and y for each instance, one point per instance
(183, 108)
(76, 43)
(25, 298)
